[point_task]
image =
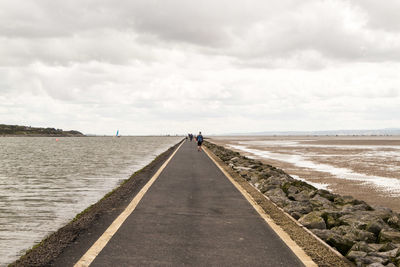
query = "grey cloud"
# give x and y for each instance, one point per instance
(255, 33)
(382, 15)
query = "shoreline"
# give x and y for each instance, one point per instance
(92, 221)
(364, 234)
(365, 168)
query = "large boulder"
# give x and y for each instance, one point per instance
(382, 212)
(278, 197)
(394, 221)
(374, 261)
(297, 209)
(354, 220)
(349, 208)
(366, 247)
(302, 196)
(331, 218)
(389, 236)
(387, 254)
(326, 194)
(322, 233)
(375, 226)
(341, 243)
(313, 220)
(356, 255)
(354, 234)
(343, 200)
(319, 201)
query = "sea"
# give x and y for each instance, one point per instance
(46, 181)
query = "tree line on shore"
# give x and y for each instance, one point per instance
(17, 130)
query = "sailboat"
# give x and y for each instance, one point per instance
(117, 135)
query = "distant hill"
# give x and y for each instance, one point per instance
(389, 131)
(16, 130)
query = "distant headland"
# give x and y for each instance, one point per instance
(17, 130)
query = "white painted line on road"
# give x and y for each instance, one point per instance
(297, 250)
(98, 246)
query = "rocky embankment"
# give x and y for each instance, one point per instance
(367, 235)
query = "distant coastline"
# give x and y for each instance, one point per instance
(371, 132)
(28, 131)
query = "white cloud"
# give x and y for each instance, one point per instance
(176, 66)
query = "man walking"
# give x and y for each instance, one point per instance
(199, 141)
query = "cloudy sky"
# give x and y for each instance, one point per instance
(177, 66)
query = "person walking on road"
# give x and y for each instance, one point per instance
(199, 141)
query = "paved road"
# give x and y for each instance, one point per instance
(192, 215)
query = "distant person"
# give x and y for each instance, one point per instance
(199, 141)
(191, 137)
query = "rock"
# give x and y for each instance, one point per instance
(390, 265)
(354, 255)
(354, 234)
(382, 212)
(362, 235)
(298, 207)
(313, 220)
(292, 190)
(376, 247)
(296, 215)
(342, 244)
(390, 254)
(319, 201)
(331, 218)
(375, 260)
(362, 246)
(389, 235)
(375, 227)
(323, 234)
(278, 197)
(302, 196)
(388, 246)
(394, 221)
(397, 261)
(234, 159)
(244, 174)
(253, 178)
(349, 208)
(376, 264)
(343, 200)
(330, 221)
(353, 220)
(326, 194)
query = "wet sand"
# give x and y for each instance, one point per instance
(365, 167)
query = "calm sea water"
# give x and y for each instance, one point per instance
(44, 183)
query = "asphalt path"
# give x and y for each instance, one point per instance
(193, 215)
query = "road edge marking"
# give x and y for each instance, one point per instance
(296, 249)
(102, 241)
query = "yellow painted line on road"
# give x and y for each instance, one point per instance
(297, 250)
(98, 246)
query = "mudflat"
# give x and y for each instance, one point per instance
(366, 167)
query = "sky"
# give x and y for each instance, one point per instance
(179, 66)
